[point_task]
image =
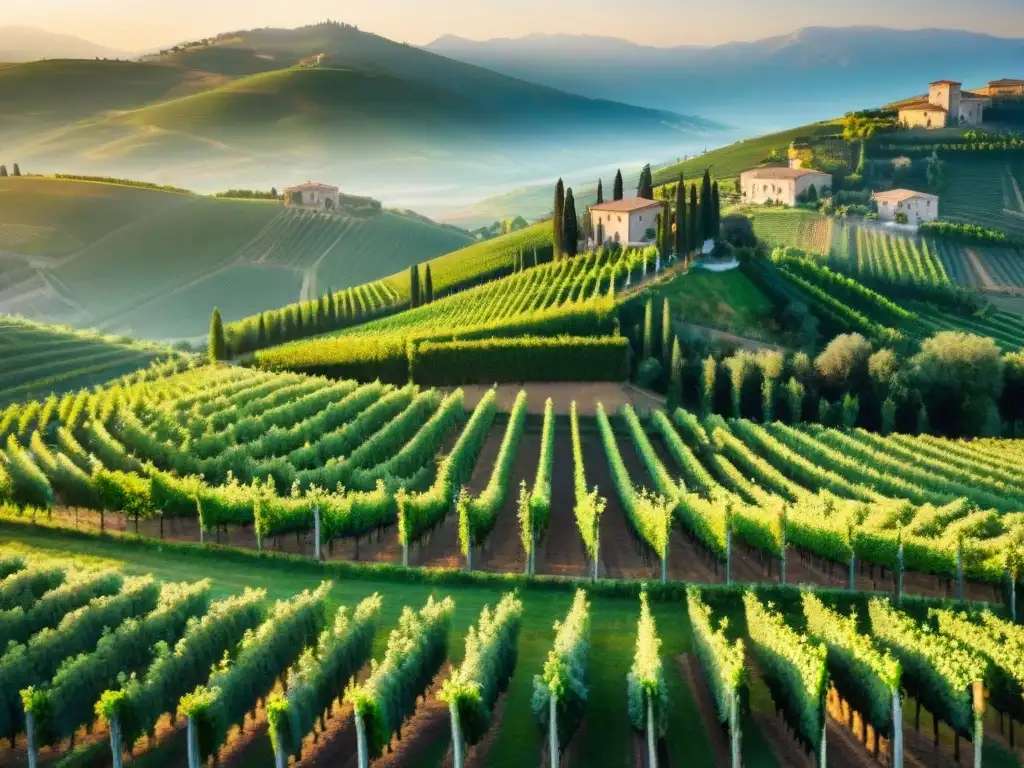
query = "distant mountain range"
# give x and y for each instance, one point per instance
(812, 73)
(20, 44)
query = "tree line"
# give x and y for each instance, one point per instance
(683, 226)
(16, 171)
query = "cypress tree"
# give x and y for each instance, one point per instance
(287, 325)
(414, 285)
(332, 309)
(218, 345)
(320, 320)
(645, 188)
(428, 284)
(261, 333)
(680, 241)
(17, 170)
(600, 192)
(617, 189)
(300, 324)
(694, 228)
(666, 333)
(558, 230)
(707, 214)
(716, 211)
(570, 226)
(666, 231)
(3, 171)
(675, 388)
(648, 349)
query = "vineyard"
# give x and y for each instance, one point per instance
(41, 359)
(572, 298)
(980, 192)
(363, 671)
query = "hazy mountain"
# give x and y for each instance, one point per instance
(19, 44)
(393, 121)
(809, 74)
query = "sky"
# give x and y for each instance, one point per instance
(135, 25)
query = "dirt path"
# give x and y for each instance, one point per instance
(586, 394)
(717, 737)
(561, 552)
(502, 552)
(986, 283)
(428, 724)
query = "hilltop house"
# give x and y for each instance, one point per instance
(917, 206)
(947, 105)
(312, 194)
(633, 221)
(1006, 87)
(782, 185)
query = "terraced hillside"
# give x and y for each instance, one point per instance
(40, 359)
(985, 192)
(155, 263)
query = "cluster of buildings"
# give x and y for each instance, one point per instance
(312, 194)
(947, 105)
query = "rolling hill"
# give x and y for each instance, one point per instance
(824, 71)
(154, 263)
(388, 120)
(19, 44)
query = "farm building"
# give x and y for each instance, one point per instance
(917, 206)
(633, 221)
(947, 104)
(782, 185)
(312, 194)
(1005, 87)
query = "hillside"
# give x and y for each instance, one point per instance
(155, 263)
(826, 71)
(19, 44)
(389, 119)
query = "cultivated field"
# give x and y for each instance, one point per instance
(821, 506)
(40, 359)
(155, 263)
(982, 192)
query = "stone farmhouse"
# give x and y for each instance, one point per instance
(1004, 88)
(947, 105)
(630, 221)
(781, 185)
(918, 207)
(312, 194)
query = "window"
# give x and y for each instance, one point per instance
(641, 218)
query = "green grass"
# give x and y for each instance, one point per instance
(793, 227)
(40, 359)
(978, 191)
(728, 301)
(518, 742)
(156, 263)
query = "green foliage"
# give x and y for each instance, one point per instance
(473, 687)
(646, 678)
(416, 649)
(721, 661)
(937, 670)
(141, 699)
(865, 676)
(320, 674)
(19, 623)
(237, 682)
(794, 669)
(483, 509)
(540, 495)
(216, 345)
(565, 673)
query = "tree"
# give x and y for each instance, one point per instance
(261, 333)
(716, 212)
(888, 416)
(17, 170)
(695, 228)
(665, 232)
(428, 283)
(414, 285)
(218, 346)
(795, 398)
(645, 188)
(300, 321)
(557, 221)
(570, 226)
(617, 188)
(707, 213)
(3, 171)
(600, 233)
(600, 192)
(708, 381)
(666, 333)
(812, 194)
(648, 348)
(680, 239)
(843, 364)
(675, 387)
(851, 409)
(332, 309)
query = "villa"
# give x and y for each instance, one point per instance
(918, 207)
(632, 221)
(947, 105)
(312, 194)
(782, 185)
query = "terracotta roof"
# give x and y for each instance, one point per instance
(311, 185)
(972, 96)
(783, 173)
(1006, 81)
(627, 205)
(899, 195)
(921, 106)
(946, 82)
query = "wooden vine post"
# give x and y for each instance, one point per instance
(897, 729)
(115, 741)
(194, 760)
(850, 534)
(899, 575)
(734, 730)
(402, 500)
(552, 729)
(652, 741)
(782, 535)
(978, 700)
(361, 750)
(316, 532)
(458, 745)
(30, 736)
(280, 758)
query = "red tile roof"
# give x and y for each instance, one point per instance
(627, 205)
(946, 82)
(899, 195)
(1004, 82)
(783, 173)
(921, 106)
